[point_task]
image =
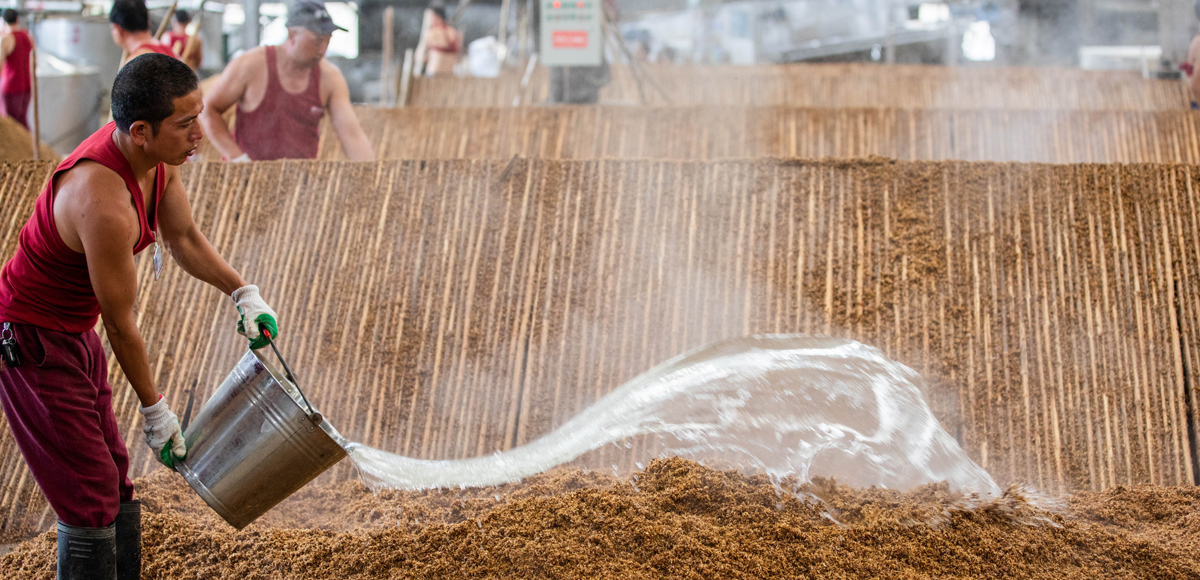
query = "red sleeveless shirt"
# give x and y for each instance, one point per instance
(285, 125)
(14, 78)
(156, 46)
(46, 283)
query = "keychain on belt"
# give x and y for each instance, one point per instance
(8, 346)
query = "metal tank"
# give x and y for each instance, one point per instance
(81, 40)
(69, 102)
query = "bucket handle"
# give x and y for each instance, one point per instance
(290, 377)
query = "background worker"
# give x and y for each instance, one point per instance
(130, 22)
(177, 39)
(74, 263)
(440, 45)
(281, 93)
(15, 85)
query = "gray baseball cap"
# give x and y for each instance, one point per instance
(311, 14)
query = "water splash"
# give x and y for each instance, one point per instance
(787, 405)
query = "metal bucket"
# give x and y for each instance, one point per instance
(255, 442)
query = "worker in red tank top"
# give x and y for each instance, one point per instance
(440, 45)
(177, 40)
(130, 23)
(119, 193)
(281, 93)
(15, 82)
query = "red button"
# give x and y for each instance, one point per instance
(569, 39)
(557, 4)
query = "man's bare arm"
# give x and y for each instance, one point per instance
(105, 224)
(190, 248)
(227, 93)
(7, 44)
(345, 121)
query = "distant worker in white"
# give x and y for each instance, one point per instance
(441, 44)
(281, 93)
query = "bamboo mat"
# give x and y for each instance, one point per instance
(709, 133)
(446, 309)
(830, 85)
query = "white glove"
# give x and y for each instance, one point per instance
(254, 312)
(162, 427)
(243, 158)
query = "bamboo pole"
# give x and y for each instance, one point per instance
(166, 21)
(405, 81)
(36, 129)
(385, 75)
(188, 46)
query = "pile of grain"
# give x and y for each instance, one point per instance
(704, 133)
(674, 520)
(451, 313)
(832, 85)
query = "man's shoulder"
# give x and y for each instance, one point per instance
(95, 176)
(253, 61)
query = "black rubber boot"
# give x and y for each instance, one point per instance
(129, 541)
(87, 553)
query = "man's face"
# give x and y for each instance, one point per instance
(118, 34)
(180, 134)
(308, 47)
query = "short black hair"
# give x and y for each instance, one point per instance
(131, 15)
(10, 16)
(146, 89)
(438, 9)
(182, 17)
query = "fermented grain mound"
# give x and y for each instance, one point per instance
(703, 133)
(450, 309)
(676, 519)
(831, 85)
(17, 145)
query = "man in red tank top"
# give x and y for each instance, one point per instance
(281, 93)
(15, 83)
(130, 22)
(119, 193)
(177, 40)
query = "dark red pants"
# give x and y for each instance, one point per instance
(17, 107)
(59, 407)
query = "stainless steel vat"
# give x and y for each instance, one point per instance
(81, 40)
(69, 102)
(255, 442)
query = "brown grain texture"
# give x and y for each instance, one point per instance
(434, 310)
(675, 519)
(730, 132)
(832, 85)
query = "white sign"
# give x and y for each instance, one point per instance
(571, 32)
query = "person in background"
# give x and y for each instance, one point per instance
(118, 194)
(15, 82)
(177, 40)
(130, 22)
(440, 44)
(281, 93)
(1191, 66)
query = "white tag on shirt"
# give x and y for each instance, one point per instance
(157, 257)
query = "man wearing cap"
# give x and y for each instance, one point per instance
(281, 93)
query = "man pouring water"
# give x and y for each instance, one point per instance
(119, 193)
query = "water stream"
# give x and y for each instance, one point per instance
(786, 405)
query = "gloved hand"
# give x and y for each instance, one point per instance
(163, 434)
(255, 315)
(243, 158)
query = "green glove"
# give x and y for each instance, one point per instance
(168, 458)
(250, 306)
